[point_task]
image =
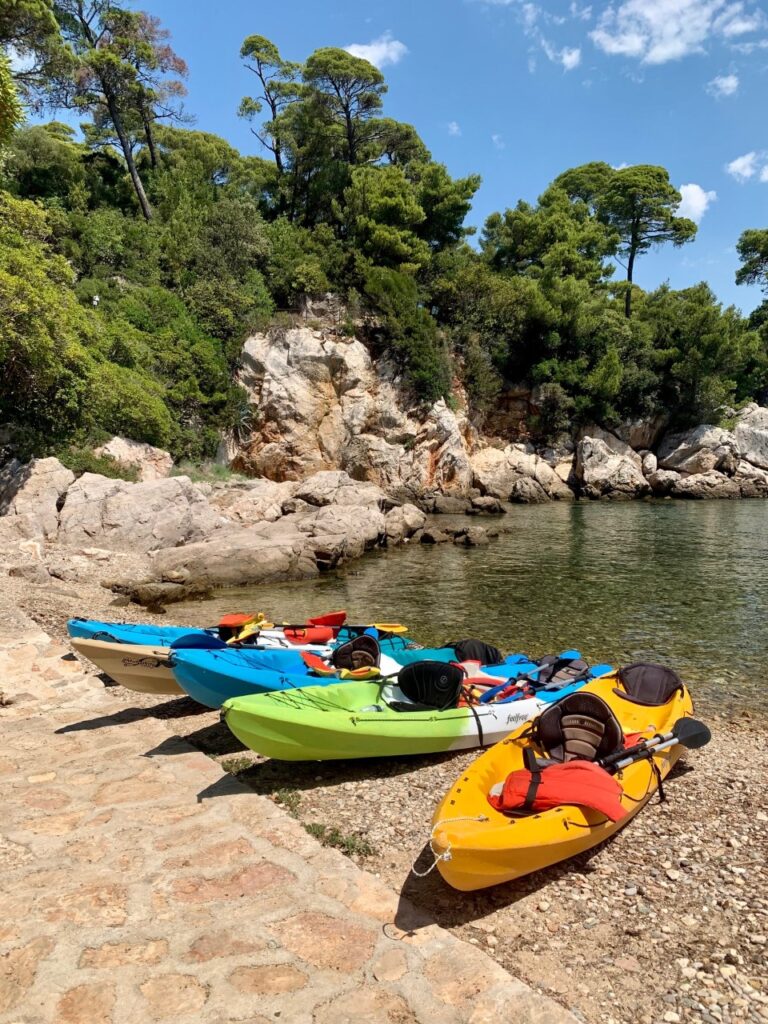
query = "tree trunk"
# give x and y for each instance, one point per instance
(125, 145)
(630, 268)
(149, 136)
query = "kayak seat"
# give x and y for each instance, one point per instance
(360, 652)
(648, 684)
(559, 671)
(429, 686)
(580, 727)
(477, 650)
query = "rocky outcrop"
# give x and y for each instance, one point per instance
(30, 495)
(516, 473)
(150, 463)
(706, 485)
(699, 451)
(320, 403)
(325, 521)
(751, 433)
(142, 516)
(602, 472)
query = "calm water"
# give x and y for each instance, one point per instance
(681, 583)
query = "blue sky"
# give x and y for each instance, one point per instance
(519, 91)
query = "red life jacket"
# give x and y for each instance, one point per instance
(583, 783)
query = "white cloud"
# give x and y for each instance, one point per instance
(656, 31)
(764, 174)
(570, 57)
(382, 51)
(723, 85)
(497, 140)
(580, 13)
(743, 167)
(454, 128)
(619, 167)
(695, 202)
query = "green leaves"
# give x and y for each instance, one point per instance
(752, 248)
(10, 109)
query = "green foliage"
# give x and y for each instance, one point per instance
(351, 845)
(752, 248)
(136, 258)
(409, 332)
(82, 460)
(638, 203)
(10, 108)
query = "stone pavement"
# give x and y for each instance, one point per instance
(140, 883)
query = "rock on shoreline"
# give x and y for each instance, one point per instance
(319, 401)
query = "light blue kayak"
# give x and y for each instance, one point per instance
(213, 677)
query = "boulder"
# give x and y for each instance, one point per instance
(335, 487)
(496, 471)
(486, 506)
(698, 451)
(252, 502)
(449, 504)
(402, 522)
(751, 434)
(614, 443)
(473, 536)
(602, 472)
(701, 486)
(150, 462)
(662, 481)
(432, 535)
(33, 492)
(752, 481)
(650, 464)
(238, 556)
(643, 433)
(139, 517)
(527, 491)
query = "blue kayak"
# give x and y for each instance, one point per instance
(150, 635)
(214, 676)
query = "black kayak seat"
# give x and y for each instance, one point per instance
(360, 652)
(648, 684)
(429, 685)
(579, 727)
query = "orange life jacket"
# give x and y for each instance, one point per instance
(575, 782)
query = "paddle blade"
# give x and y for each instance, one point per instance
(691, 733)
(336, 619)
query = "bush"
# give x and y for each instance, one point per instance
(82, 460)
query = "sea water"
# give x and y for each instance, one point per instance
(683, 583)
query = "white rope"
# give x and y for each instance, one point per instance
(447, 854)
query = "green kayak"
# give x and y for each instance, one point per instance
(353, 719)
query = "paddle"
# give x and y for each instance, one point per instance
(688, 732)
(383, 627)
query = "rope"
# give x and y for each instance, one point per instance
(447, 854)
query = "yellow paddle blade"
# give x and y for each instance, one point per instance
(369, 672)
(390, 627)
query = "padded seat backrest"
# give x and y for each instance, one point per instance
(579, 727)
(361, 652)
(432, 684)
(477, 650)
(648, 684)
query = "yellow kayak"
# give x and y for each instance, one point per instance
(476, 846)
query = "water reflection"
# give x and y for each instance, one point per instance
(683, 583)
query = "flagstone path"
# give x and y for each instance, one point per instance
(141, 884)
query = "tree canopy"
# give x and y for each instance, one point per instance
(136, 255)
